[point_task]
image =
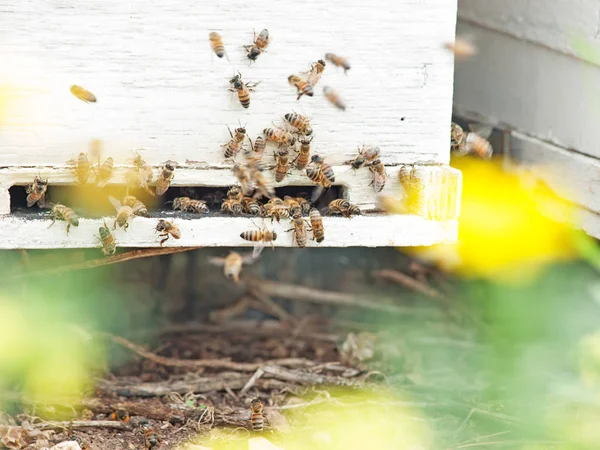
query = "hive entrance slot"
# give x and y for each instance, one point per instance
(90, 202)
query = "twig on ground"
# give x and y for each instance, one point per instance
(252, 381)
(77, 424)
(408, 282)
(295, 376)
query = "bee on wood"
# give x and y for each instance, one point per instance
(252, 206)
(104, 172)
(139, 209)
(83, 94)
(61, 212)
(279, 136)
(292, 205)
(233, 147)
(36, 192)
(245, 179)
(366, 154)
(471, 142)
(300, 122)
(315, 72)
(235, 192)
(232, 206)
(321, 173)
(283, 164)
(164, 179)
(299, 228)
(462, 48)
(276, 209)
(216, 44)
(256, 415)
(81, 167)
(243, 89)
(187, 204)
(316, 223)
(343, 207)
(379, 176)
(261, 237)
(334, 98)
(167, 229)
(304, 154)
(259, 145)
(303, 87)
(260, 44)
(263, 187)
(232, 264)
(107, 239)
(121, 415)
(124, 213)
(338, 61)
(304, 204)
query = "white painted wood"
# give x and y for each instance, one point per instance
(366, 231)
(159, 87)
(542, 93)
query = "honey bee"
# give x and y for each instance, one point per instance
(216, 43)
(252, 206)
(81, 167)
(245, 178)
(121, 415)
(338, 61)
(187, 204)
(232, 264)
(104, 172)
(259, 145)
(334, 98)
(462, 48)
(299, 228)
(276, 209)
(343, 207)
(140, 176)
(256, 415)
(83, 94)
(124, 213)
(107, 239)
(379, 176)
(243, 89)
(232, 206)
(292, 205)
(280, 136)
(304, 155)
(315, 72)
(283, 164)
(233, 147)
(303, 87)
(263, 187)
(260, 44)
(316, 223)
(139, 209)
(366, 154)
(143, 167)
(167, 229)
(235, 193)
(254, 160)
(300, 122)
(304, 204)
(261, 237)
(164, 179)
(471, 142)
(321, 173)
(37, 192)
(61, 212)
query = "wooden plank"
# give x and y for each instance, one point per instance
(159, 87)
(363, 231)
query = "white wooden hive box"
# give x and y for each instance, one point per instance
(162, 91)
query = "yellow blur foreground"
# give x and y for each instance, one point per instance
(503, 233)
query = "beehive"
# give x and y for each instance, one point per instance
(162, 92)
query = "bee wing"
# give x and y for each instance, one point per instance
(116, 203)
(249, 258)
(317, 192)
(216, 261)
(41, 201)
(257, 250)
(481, 130)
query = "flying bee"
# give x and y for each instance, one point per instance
(81, 167)
(292, 205)
(252, 206)
(261, 237)
(334, 98)
(260, 44)
(107, 239)
(243, 89)
(187, 204)
(379, 176)
(232, 206)
(299, 228)
(315, 72)
(366, 154)
(462, 48)
(304, 154)
(233, 147)
(304, 204)
(104, 172)
(167, 229)
(121, 415)
(256, 415)
(254, 160)
(343, 207)
(316, 223)
(140, 176)
(303, 87)
(61, 212)
(124, 213)
(471, 142)
(300, 122)
(139, 209)
(283, 164)
(280, 136)
(216, 43)
(83, 94)
(263, 187)
(232, 264)
(338, 61)
(245, 179)
(37, 192)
